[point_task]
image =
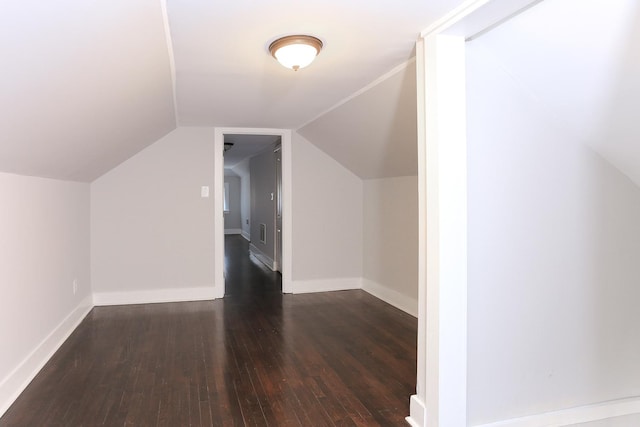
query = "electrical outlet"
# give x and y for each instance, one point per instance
(75, 286)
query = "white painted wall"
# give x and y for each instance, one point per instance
(390, 252)
(242, 169)
(232, 219)
(152, 233)
(553, 260)
(596, 69)
(327, 222)
(44, 230)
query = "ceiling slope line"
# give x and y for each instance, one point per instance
(172, 60)
(453, 17)
(475, 17)
(503, 20)
(359, 92)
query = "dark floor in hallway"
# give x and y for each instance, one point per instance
(245, 276)
(255, 358)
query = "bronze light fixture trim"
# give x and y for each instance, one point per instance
(296, 51)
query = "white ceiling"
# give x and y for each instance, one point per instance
(245, 146)
(579, 60)
(225, 75)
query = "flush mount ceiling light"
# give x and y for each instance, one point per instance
(227, 146)
(295, 52)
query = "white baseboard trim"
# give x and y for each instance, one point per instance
(15, 383)
(246, 236)
(325, 285)
(418, 412)
(232, 231)
(391, 296)
(265, 259)
(578, 415)
(154, 296)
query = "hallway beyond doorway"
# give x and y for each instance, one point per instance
(245, 275)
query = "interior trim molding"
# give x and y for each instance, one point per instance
(578, 415)
(262, 257)
(418, 412)
(391, 296)
(171, 57)
(246, 236)
(154, 296)
(15, 383)
(326, 285)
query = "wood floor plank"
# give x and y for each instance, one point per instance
(254, 358)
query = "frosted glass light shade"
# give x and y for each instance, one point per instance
(295, 52)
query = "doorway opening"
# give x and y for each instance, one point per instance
(253, 230)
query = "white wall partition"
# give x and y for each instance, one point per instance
(390, 241)
(328, 224)
(151, 229)
(441, 385)
(45, 280)
(554, 258)
(441, 389)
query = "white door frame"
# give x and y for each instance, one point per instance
(441, 386)
(287, 211)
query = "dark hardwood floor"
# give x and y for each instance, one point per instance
(246, 277)
(255, 358)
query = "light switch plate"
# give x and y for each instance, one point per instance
(204, 191)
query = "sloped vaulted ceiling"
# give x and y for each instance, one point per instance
(84, 85)
(87, 84)
(225, 75)
(373, 134)
(579, 61)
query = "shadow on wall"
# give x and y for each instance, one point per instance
(374, 134)
(553, 259)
